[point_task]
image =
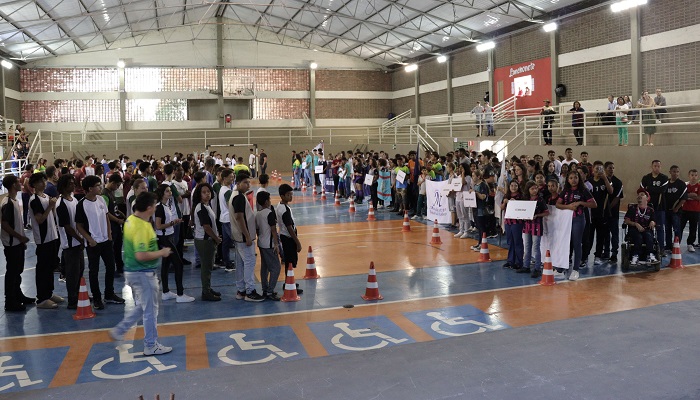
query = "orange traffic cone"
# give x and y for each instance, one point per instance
(84, 310)
(406, 227)
(337, 199)
(436, 234)
(290, 287)
(372, 291)
(303, 186)
(484, 255)
(370, 214)
(547, 272)
(315, 192)
(323, 194)
(676, 259)
(352, 205)
(311, 266)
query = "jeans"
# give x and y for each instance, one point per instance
(691, 216)
(175, 260)
(144, 284)
(577, 227)
(245, 267)
(421, 205)
(613, 227)
(673, 221)
(269, 270)
(514, 238)
(75, 267)
(226, 243)
(638, 238)
(101, 250)
(14, 256)
(307, 177)
(660, 219)
(207, 252)
(46, 254)
(532, 248)
(297, 179)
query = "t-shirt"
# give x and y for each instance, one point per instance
(93, 216)
(571, 195)
(535, 226)
(284, 219)
(184, 204)
(65, 211)
(692, 205)
(203, 215)
(167, 214)
(111, 201)
(600, 194)
(139, 237)
(240, 204)
(642, 217)
(617, 193)
(577, 119)
(46, 231)
(12, 213)
(224, 197)
(675, 192)
(51, 189)
(265, 220)
(656, 186)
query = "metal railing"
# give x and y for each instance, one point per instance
(308, 124)
(391, 127)
(423, 138)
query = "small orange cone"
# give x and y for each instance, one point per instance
(676, 259)
(372, 291)
(484, 255)
(406, 227)
(279, 176)
(436, 234)
(547, 272)
(323, 194)
(352, 205)
(290, 287)
(370, 214)
(311, 266)
(303, 186)
(315, 192)
(337, 199)
(84, 310)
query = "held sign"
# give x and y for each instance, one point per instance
(520, 209)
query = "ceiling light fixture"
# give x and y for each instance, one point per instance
(552, 26)
(411, 67)
(6, 64)
(626, 5)
(121, 64)
(485, 46)
(441, 59)
(313, 65)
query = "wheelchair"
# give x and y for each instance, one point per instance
(626, 252)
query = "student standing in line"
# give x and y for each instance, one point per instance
(514, 233)
(676, 196)
(43, 218)
(691, 209)
(224, 195)
(654, 183)
(71, 241)
(288, 231)
(141, 257)
(534, 229)
(266, 226)
(116, 219)
(243, 234)
(206, 237)
(15, 243)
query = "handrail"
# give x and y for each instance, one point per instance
(34, 147)
(308, 123)
(423, 139)
(392, 122)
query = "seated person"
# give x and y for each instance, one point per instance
(640, 219)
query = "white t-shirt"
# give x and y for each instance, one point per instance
(573, 160)
(46, 231)
(620, 113)
(65, 211)
(224, 215)
(251, 160)
(184, 203)
(93, 216)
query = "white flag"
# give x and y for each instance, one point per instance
(557, 236)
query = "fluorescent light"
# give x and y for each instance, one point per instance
(313, 65)
(626, 5)
(411, 67)
(441, 59)
(6, 64)
(485, 46)
(552, 26)
(121, 64)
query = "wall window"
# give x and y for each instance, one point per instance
(156, 110)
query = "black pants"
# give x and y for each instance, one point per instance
(578, 134)
(180, 243)
(14, 259)
(263, 168)
(547, 132)
(74, 265)
(373, 194)
(117, 242)
(691, 216)
(587, 242)
(336, 179)
(599, 230)
(289, 252)
(106, 253)
(174, 258)
(46, 256)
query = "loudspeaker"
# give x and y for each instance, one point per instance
(486, 96)
(560, 90)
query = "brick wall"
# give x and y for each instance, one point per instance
(402, 104)
(597, 79)
(527, 46)
(401, 79)
(672, 69)
(280, 108)
(433, 103)
(350, 80)
(468, 62)
(464, 98)
(432, 71)
(352, 108)
(594, 28)
(666, 15)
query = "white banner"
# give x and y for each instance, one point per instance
(557, 235)
(436, 197)
(520, 209)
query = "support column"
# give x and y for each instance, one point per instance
(220, 70)
(416, 105)
(449, 87)
(554, 63)
(492, 65)
(122, 99)
(312, 96)
(3, 110)
(636, 54)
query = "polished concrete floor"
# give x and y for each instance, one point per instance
(430, 292)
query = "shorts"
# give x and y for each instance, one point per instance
(289, 251)
(451, 204)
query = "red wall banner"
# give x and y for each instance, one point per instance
(531, 81)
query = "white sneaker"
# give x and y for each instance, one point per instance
(169, 296)
(459, 234)
(476, 248)
(691, 249)
(597, 261)
(156, 349)
(415, 217)
(184, 299)
(652, 259)
(635, 260)
(465, 235)
(574, 275)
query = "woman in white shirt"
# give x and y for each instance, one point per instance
(621, 120)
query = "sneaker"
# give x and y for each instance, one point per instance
(613, 259)
(156, 349)
(98, 304)
(651, 259)
(459, 234)
(536, 274)
(240, 295)
(168, 296)
(113, 298)
(62, 279)
(214, 292)
(667, 252)
(15, 307)
(476, 247)
(57, 299)
(583, 265)
(635, 260)
(574, 275)
(522, 270)
(597, 261)
(209, 296)
(184, 299)
(254, 296)
(691, 249)
(273, 296)
(47, 305)
(115, 336)
(507, 265)
(230, 268)
(198, 266)
(299, 291)
(492, 236)
(186, 262)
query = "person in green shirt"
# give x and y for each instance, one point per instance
(141, 259)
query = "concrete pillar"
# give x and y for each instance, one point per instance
(3, 110)
(449, 86)
(554, 62)
(312, 96)
(491, 55)
(416, 84)
(636, 59)
(220, 70)
(122, 99)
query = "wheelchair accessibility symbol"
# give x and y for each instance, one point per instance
(451, 323)
(361, 333)
(125, 357)
(243, 344)
(16, 371)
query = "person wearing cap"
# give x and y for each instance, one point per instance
(640, 219)
(548, 120)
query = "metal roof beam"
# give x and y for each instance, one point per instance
(60, 25)
(28, 34)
